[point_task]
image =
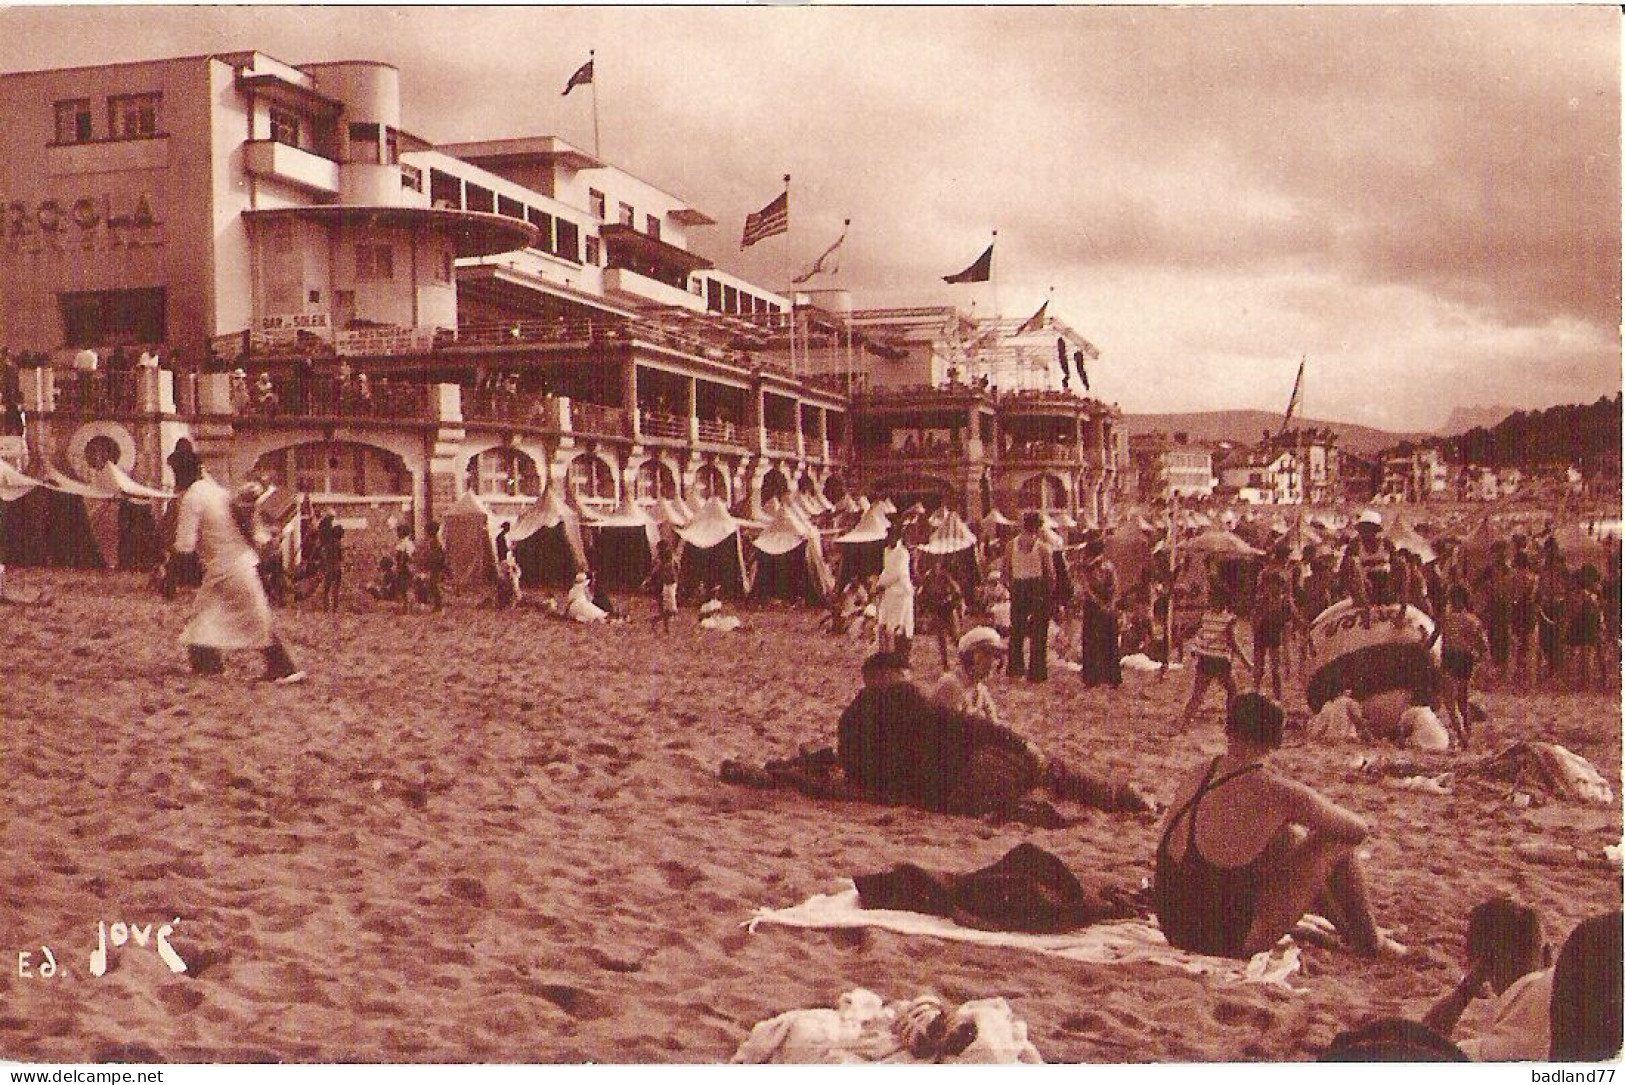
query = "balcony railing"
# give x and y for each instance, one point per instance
(782, 440)
(299, 397)
(96, 393)
(598, 420)
(720, 431)
(1053, 451)
(928, 450)
(670, 427)
(501, 405)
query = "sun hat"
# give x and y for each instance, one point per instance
(1370, 516)
(980, 637)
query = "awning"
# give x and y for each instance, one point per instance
(475, 232)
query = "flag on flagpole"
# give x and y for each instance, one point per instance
(979, 272)
(1035, 322)
(770, 220)
(1292, 404)
(1077, 363)
(1060, 356)
(830, 262)
(582, 77)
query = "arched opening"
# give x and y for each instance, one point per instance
(709, 482)
(592, 481)
(774, 486)
(504, 472)
(909, 490)
(834, 489)
(336, 467)
(655, 481)
(100, 451)
(1042, 492)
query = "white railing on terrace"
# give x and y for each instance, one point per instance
(782, 440)
(671, 427)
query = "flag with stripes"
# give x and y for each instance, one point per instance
(1035, 322)
(830, 262)
(770, 220)
(582, 77)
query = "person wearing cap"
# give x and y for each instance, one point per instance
(1369, 551)
(964, 689)
(1030, 569)
(232, 610)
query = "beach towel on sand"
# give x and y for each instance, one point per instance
(1104, 943)
(862, 1029)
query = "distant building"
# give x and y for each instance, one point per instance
(1164, 469)
(1413, 475)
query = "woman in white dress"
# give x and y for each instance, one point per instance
(894, 613)
(232, 611)
(579, 606)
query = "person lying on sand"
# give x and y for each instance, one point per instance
(1507, 955)
(1247, 852)
(896, 745)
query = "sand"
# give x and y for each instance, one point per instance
(484, 837)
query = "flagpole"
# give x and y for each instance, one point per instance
(591, 54)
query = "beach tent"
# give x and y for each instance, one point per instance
(44, 526)
(468, 529)
(669, 513)
(847, 507)
(887, 506)
(547, 544)
(137, 512)
(1405, 537)
(749, 511)
(790, 562)
(1220, 543)
(953, 544)
(863, 549)
(623, 547)
(713, 554)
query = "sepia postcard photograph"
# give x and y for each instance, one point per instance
(809, 534)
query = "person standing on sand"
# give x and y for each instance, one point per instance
(436, 564)
(1246, 852)
(1216, 650)
(1030, 570)
(894, 613)
(330, 548)
(232, 611)
(663, 580)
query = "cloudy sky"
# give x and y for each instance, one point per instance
(1424, 201)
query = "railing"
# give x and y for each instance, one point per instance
(598, 420)
(1044, 450)
(720, 432)
(319, 397)
(96, 393)
(928, 451)
(671, 427)
(782, 440)
(501, 405)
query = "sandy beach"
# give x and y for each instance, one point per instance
(477, 836)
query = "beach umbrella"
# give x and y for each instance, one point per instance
(1220, 543)
(1404, 537)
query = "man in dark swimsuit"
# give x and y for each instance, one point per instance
(1246, 853)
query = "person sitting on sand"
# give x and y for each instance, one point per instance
(578, 605)
(1507, 955)
(1585, 1009)
(1247, 852)
(1340, 719)
(965, 689)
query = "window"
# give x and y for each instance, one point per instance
(730, 299)
(445, 190)
(447, 268)
(653, 224)
(100, 317)
(374, 263)
(285, 126)
(595, 202)
(364, 143)
(627, 216)
(510, 207)
(592, 252)
(411, 178)
(479, 199)
(544, 227)
(713, 295)
(283, 275)
(569, 241)
(133, 116)
(392, 146)
(73, 121)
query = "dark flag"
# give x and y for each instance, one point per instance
(1035, 322)
(1060, 356)
(979, 272)
(1292, 404)
(770, 220)
(1083, 374)
(582, 77)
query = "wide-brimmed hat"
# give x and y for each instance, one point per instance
(1369, 516)
(981, 637)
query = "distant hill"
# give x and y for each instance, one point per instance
(1244, 427)
(1586, 435)
(1463, 419)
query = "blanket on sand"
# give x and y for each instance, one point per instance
(1104, 943)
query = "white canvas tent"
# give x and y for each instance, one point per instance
(547, 542)
(713, 554)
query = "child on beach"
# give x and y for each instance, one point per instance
(1216, 649)
(662, 579)
(1464, 645)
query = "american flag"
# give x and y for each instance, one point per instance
(770, 220)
